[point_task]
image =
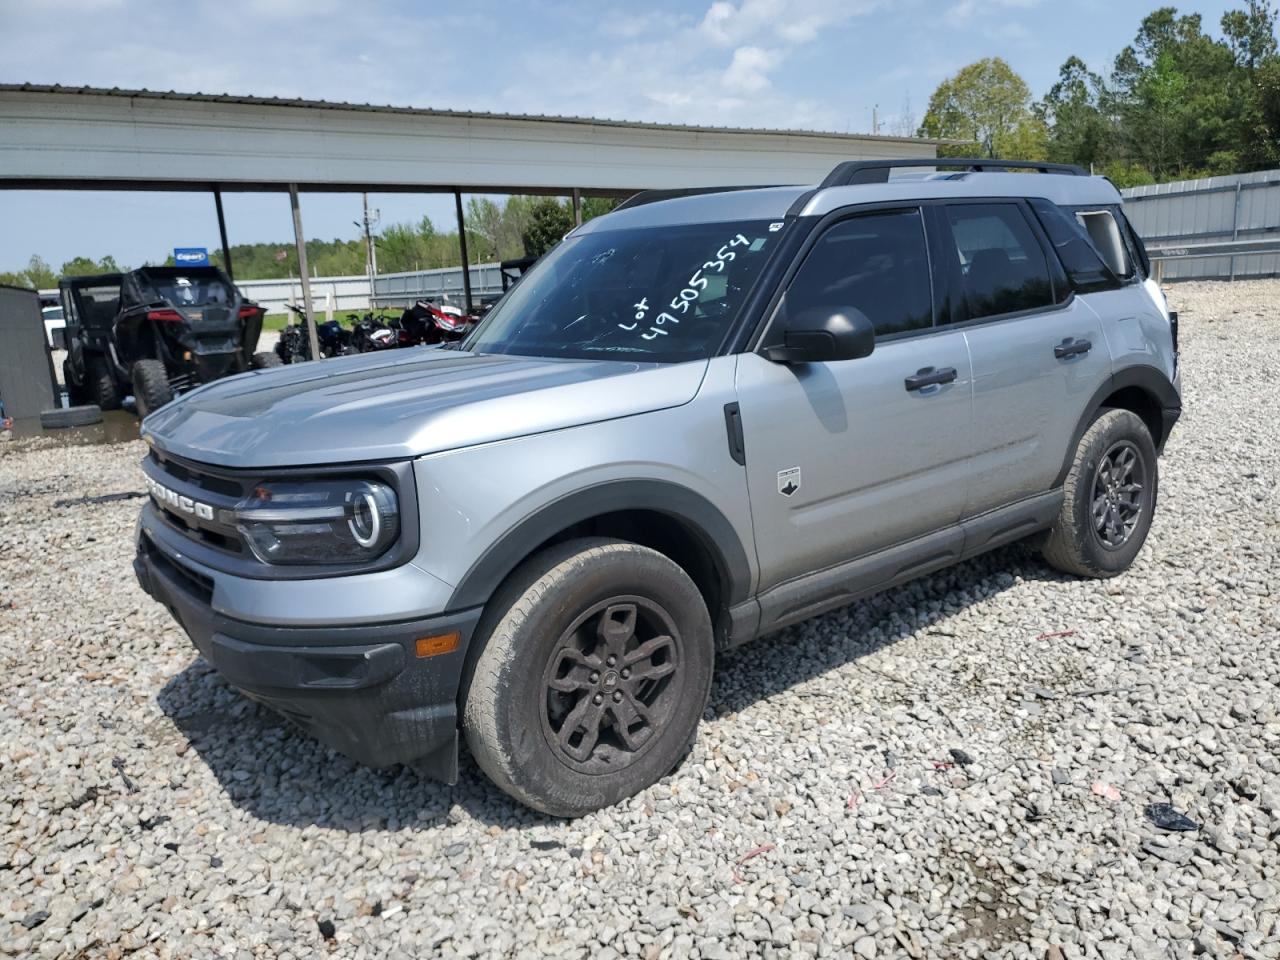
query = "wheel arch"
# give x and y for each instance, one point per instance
(1142, 390)
(672, 519)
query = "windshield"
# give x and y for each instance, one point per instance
(663, 294)
(190, 290)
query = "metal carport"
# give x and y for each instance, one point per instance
(55, 137)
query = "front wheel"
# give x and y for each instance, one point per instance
(595, 667)
(1110, 497)
(151, 389)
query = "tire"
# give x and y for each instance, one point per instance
(79, 416)
(103, 389)
(265, 359)
(543, 627)
(1114, 474)
(151, 389)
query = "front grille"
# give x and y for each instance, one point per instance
(221, 492)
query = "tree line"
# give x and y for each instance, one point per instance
(515, 227)
(1177, 103)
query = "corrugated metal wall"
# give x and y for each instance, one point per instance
(1241, 207)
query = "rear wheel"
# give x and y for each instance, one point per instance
(265, 359)
(151, 389)
(104, 391)
(1110, 498)
(594, 671)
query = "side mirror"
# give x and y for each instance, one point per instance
(822, 334)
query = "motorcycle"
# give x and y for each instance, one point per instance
(427, 322)
(294, 345)
(368, 333)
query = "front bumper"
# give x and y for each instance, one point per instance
(359, 689)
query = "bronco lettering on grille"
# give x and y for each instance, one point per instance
(176, 502)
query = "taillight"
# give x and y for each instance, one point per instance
(248, 312)
(165, 316)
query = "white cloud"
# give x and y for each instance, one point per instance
(748, 71)
(965, 10)
(796, 22)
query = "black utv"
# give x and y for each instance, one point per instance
(155, 332)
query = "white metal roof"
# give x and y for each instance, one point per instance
(92, 137)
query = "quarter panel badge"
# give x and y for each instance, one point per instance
(789, 481)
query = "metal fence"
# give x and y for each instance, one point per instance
(389, 289)
(345, 293)
(401, 289)
(1216, 228)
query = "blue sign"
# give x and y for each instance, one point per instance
(191, 256)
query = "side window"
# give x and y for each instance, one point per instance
(1086, 268)
(1003, 267)
(877, 263)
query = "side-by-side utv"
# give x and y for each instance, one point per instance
(155, 332)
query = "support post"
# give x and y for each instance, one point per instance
(462, 243)
(577, 207)
(1235, 229)
(305, 275)
(222, 233)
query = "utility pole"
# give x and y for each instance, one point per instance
(875, 120)
(366, 224)
(300, 242)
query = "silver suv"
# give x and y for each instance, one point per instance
(699, 419)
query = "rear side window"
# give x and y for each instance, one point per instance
(877, 263)
(1003, 267)
(1084, 265)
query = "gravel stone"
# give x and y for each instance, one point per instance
(1168, 688)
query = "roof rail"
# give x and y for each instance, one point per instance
(653, 196)
(877, 171)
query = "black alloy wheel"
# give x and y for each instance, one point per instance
(1118, 494)
(611, 683)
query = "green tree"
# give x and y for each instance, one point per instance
(1077, 128)
(986, 103)
(38, 275)
(84, 266)
(1251, 33)
(549, 221)
(1177, 95)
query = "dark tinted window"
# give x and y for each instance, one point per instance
(1083, 263)
(1003, 267)
(194, 289)
(878, 263)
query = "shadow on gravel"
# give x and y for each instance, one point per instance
(278, 773)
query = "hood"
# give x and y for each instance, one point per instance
(405, 403)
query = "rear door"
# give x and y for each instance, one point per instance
(845, 458)
(1038, 352)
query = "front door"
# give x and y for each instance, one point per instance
(845, 458)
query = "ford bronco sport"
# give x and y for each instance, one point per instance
(699, 419)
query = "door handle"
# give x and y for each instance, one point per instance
(928, 376)
(1071, 347)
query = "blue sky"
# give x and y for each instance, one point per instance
(816, 64)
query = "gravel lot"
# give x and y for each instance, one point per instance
(147, 808)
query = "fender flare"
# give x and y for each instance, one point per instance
(694, 511)
(1147, 379)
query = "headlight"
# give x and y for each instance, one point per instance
(321, 521)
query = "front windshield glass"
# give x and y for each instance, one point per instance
(663, 294)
